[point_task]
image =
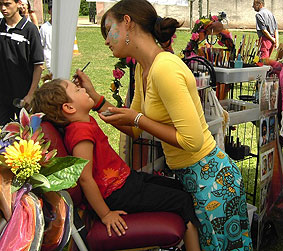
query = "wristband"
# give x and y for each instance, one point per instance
(99, 104)
(136, 120)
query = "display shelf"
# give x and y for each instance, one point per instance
(236, 75)
(214, 123)
(240, 111)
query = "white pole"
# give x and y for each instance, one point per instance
(64, 24)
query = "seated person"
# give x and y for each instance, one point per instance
(109, 185)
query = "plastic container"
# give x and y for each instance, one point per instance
(214, 123)
(251, 210)
(236, 75)
(240, 111)
(202, 81)
(238, 63)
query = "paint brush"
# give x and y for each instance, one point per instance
(75, 76)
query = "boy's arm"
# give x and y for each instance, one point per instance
(84, 149)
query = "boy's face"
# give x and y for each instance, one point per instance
(79, 96)
(9, 8)
(257, 5)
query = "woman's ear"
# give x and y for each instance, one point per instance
(68, 108)
(127, 19)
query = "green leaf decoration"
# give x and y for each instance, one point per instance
(58, 163)
(16, 184)
(2, 160)
(39, 181)
(63, 173)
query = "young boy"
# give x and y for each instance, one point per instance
(107, 182)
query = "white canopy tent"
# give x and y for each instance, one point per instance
(65, 15)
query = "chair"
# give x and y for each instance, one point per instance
(145, 229)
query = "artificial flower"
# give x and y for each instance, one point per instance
(205, 26)
(129, 60)
(215, 18)
(23, 157)
(195, 36)
(113, 87)
(118, 73)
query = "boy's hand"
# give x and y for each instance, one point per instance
(114, 220)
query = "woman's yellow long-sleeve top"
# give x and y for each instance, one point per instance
(172, 98)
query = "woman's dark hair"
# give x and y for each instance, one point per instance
(143, 13)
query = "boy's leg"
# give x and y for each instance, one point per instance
(161, 180)
(141, 193)
(139, 196)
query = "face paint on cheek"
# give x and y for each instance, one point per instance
(114, 34)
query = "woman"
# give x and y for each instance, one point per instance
(25, 11)
(166, 104)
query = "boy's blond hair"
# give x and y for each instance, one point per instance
(49, 99)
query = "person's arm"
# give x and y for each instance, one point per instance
(269, 37)
(111, 219)
(35, 80)
(84, 81)
(33, 18)
(126, 116)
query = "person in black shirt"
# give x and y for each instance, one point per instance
(21, 60)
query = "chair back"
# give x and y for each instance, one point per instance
(51, 133)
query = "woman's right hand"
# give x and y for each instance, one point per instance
(114, 220)
(84, 81)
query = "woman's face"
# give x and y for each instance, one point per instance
(24, 8)
(116, 35)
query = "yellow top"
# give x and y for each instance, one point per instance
(172, 98)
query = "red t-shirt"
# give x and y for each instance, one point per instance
(109, 170)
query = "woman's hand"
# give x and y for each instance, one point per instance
(81, 79)
(114, 220)
(120, 116)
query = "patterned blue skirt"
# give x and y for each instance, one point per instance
(220, 202)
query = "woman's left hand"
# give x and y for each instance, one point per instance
(120, 116)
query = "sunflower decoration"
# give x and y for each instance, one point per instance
(118, 73)
(25, 152)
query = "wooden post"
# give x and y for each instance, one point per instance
(200, 8)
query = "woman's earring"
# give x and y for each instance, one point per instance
(127, 41)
